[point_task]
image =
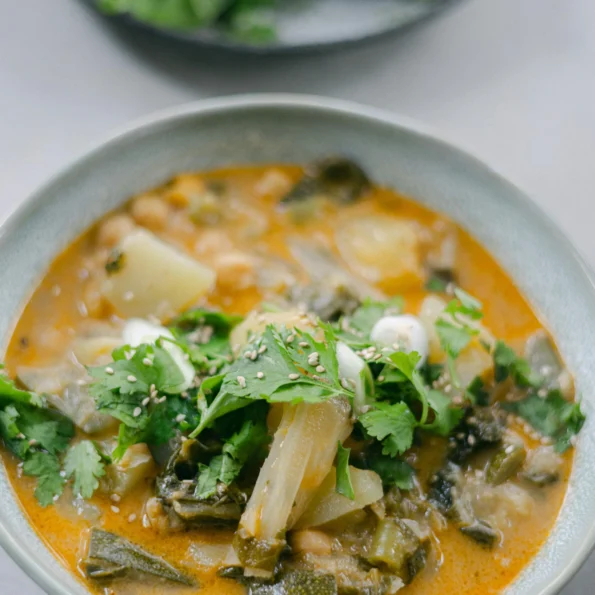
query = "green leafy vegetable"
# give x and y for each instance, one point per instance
(86, 466)
(508, 364)
(391, 424)
(477, 393)
(344, 485)
(225, 468)
(392, 471)
(551, 416)
(278, 368)
(50, 483)
(446, 417)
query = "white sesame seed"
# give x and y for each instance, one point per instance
(147, 362)
(162, 399)
(212, 370)
(56, 290)
(380, 378)
(62, 473)
(109, 370)
(290, 338)
(145, 402)
(344, 383)
(115, 498)
(180, 418)
(241, 381)
(32, 442)
(115, 509)
(262, 349)
(137, 411)
(377, 356)
(293, 376)
(260, 375)
(128, 296)
(21, 436)
(55, 498)
(253, 355)
(303, 343)
(320, 369)
(132, 518)
(131, 378)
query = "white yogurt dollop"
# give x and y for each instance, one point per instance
(137, 331)
(403, 333)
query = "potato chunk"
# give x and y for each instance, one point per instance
(155, 278)
(383, 250)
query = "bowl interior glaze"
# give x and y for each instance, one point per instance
(397, 153)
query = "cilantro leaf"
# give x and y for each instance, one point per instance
(222, 469)
(392, 424)
(446, 417)
(476, 392)
(10, 394)
(551, 416)
(453, 337)
(354, 330)
(204, 334)
(508, 364)
(276, 367)
(242, 447)
(392, 471)
(50, 483)
(343, 482)
(84, 463)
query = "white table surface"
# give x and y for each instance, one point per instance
(511, 80)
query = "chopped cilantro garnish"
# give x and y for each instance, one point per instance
(50, 483)
(275, 367)
(551, 416)
(343, 483)
(392, 471)
(508, 364)
(85, 465)
(393, 425)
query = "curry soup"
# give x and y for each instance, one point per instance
(285, 380)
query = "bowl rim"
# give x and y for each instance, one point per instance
(18, 550)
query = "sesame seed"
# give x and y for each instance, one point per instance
(32, 442)
(180, 418)
(128, 296)
(115, 509)
(62, 473)
(131, 378)
(147, 362)
(290, 338)
(253, 355)
(262, 349)
(471, 440)
(115, 498)
(55, 498)
(162, 399)
(132, 518)
(377, 356)
(56, 290)
(184, 395)
(260, 375)
(212, 370)
(241, 381)
(380, 378)
(21, 436)
(293, 376)
(320, 369)
(137, 411)
(303, 343)
(344, 383)
(109, 370)
(145, 402)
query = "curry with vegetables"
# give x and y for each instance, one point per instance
(281, 381)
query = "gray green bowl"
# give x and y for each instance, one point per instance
(397, 153)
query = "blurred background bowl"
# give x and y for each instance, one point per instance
(307, 25)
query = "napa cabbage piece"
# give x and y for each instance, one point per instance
(301, 456)
(155, 278)
(328, 505)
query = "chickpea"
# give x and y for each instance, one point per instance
(114, 229)
(273, 184)
(234, 270)
(183, 188)
(150, 212)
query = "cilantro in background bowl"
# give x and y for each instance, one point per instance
(249, 21)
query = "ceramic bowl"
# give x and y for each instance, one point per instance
(397, 153)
